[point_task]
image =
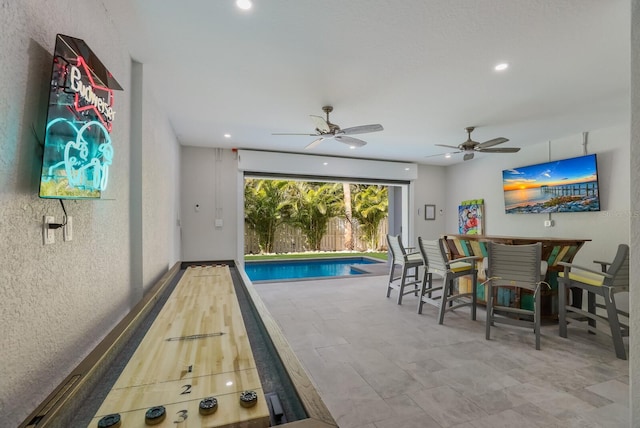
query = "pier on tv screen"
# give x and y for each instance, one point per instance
(566, 185)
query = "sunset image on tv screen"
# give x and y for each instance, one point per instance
(567, 185)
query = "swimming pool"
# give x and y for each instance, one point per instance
(306, 268)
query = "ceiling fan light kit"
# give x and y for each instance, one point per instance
(326, 130)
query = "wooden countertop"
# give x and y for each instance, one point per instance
(520, 239)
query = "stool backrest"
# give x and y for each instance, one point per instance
(514, 265)
(433, 255)
(619, 269)
(397, 249)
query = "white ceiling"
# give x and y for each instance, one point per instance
(421, 68)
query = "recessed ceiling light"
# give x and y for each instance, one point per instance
(502, 66)
(227, 135)
(448, 155)
(229, 383)
(325, 163)
(244, 4)
(352, 147)
(406, 169)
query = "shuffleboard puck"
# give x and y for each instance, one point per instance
(110, 421)
(208, 405)
(155, 415)
(248, 398)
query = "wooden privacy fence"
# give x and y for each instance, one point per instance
(290, 239)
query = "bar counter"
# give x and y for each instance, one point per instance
(554, 250)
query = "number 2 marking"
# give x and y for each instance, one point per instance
(187, 389)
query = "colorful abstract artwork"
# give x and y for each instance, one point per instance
(470, 217)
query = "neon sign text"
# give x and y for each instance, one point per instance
(88, 95)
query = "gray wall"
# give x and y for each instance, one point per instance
(209, 191)
(58, 301)
(430, 188)
(634, 343)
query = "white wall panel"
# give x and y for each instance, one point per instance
(209, 192)
(296, 164)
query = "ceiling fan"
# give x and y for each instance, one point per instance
(469, 147)
(326, 130)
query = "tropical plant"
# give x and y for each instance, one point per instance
(311, 206)
(348, 229)
(265, 203)
(370, 207)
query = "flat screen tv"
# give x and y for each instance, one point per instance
(567, 185)
(77, 145)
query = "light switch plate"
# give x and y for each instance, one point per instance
(48, 235)
(67, 231)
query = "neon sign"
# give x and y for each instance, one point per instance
(78, 150)
(84, 168)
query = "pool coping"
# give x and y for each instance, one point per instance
(370, 269)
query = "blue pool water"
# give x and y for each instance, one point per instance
(315, 268)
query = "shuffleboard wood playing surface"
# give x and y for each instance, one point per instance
(197, 347)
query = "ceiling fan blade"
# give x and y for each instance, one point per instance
(320, 123)
(468, 156)
(493, 142)
(451, 147)
(443, 154)
(310, 135)
(314, 143)
(363, 129)
(353, 142)
(500, 150)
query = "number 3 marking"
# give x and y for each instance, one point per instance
(182, 414)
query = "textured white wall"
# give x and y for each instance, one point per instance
(58, 301)
(634, 342)
(160, 194)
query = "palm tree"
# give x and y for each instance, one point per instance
(265, 203)
(371, 206)
(312, 205)
(348, 228)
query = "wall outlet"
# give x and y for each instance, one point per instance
(67, 231)
(548, 223)
(218, 223)
(48, 235)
